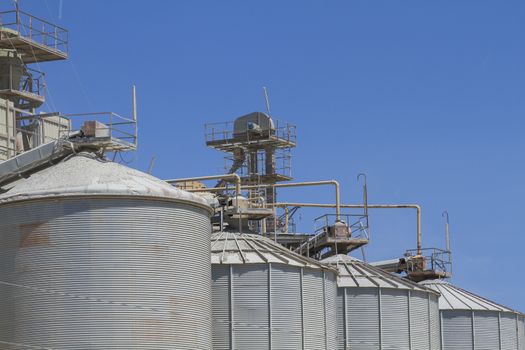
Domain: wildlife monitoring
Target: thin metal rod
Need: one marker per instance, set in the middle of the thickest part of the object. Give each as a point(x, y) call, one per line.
point(447, 237)
point(365, 192)
point(235, 177)
point(151, 164)
point(447, 233)
point(287, 219)
point(266, 99)
point(369, 206)
point(134, 111)
point(134, 102)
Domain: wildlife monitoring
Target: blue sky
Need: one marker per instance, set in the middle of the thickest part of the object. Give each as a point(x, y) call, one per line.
point(426, 97)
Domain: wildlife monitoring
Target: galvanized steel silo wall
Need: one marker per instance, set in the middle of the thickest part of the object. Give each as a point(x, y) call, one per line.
point(521, 333)
point(481, 330)
point(387, 319)
point(104, 272)
point(273, 306)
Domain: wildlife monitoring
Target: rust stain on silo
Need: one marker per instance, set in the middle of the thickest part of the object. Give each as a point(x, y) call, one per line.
point(31, 235)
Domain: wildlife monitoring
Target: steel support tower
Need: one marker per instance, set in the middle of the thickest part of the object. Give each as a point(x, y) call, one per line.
point(25, 42)
point(258, 149)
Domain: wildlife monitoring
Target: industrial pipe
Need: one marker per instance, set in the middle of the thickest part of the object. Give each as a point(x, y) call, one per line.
point(235, 177)
point(334, 183)
point(371, 206)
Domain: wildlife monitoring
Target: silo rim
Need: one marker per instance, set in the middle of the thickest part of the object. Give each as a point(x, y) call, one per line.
point(85, 175)
point(22, 201)
point(355, 273)
point(452, 295)
point(254, 249)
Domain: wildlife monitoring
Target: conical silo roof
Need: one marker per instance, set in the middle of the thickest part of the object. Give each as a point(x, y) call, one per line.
point(245, 248)
point(86, 174)
point(455, 298)
point(356, 273)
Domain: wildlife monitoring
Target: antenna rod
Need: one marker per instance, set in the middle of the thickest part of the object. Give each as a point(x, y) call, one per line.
point(151, 164)
point(134, 111)
point(266, 99)
point(17, 7)
point(447, 233)
point(134, 102)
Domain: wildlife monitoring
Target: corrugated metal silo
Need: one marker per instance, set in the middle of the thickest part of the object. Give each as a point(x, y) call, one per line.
point(469, 321)
point(267, 297)
point(94, 255)
point(380, 311)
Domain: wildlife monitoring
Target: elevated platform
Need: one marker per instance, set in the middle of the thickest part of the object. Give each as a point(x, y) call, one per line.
point(418, 276)
point(316, 245)
point(37, 40)
point(31, 50)
point(28, 99)
point(230, 144)
point(255, 130)
point(45, 154)
point(426, 264)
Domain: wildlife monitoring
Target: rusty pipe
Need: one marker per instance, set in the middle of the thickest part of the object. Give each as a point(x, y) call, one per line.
point(336, 205)
point(235, 177)
point(370, 206)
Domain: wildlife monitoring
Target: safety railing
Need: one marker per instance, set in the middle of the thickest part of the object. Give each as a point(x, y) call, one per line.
point(224, 132)
point(27, 80)
point(107, 129)
point(357, 225)
point(36, 29)
point(435, 259)
point(324, 228)
point(109, 125)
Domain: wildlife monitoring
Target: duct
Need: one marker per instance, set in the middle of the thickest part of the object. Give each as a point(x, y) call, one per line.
point(238, 160)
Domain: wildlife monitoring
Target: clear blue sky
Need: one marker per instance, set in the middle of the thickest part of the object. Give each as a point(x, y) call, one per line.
point(426, 97)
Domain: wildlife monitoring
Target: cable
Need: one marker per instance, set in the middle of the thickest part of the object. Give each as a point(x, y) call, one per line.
point(140, 307)
point(75, 71)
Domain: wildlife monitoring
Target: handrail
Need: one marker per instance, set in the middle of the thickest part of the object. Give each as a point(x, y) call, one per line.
point(370, 206)
point(224, 131)
point(41, 20)
point(37, 27)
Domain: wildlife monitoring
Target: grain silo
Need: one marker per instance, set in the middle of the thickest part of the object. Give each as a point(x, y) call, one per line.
point(95, 255)
point(380, 311)
point(469, 321)
point(267, 297)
